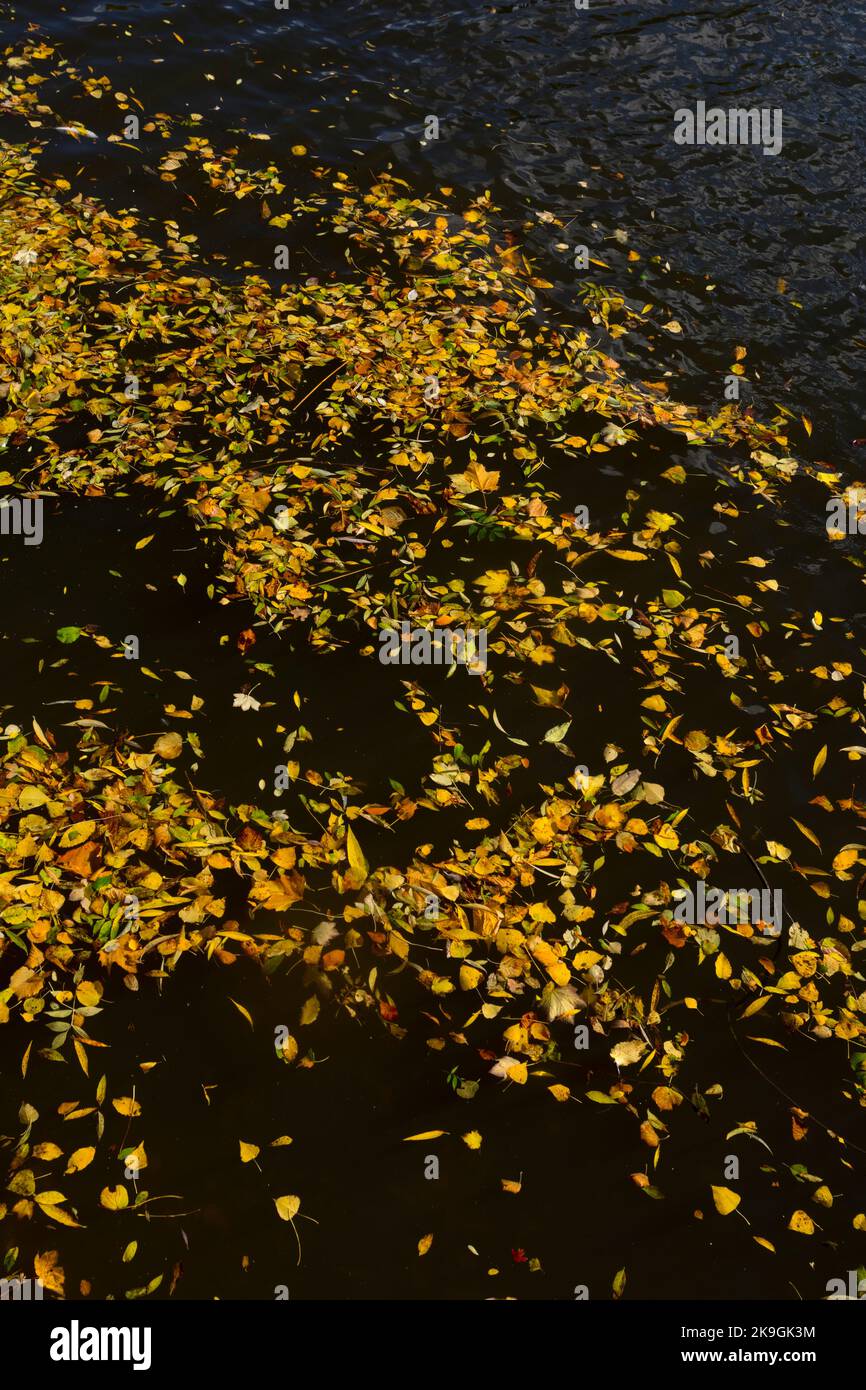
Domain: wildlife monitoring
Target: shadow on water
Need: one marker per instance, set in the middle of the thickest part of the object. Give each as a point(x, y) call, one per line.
point(210, 1229)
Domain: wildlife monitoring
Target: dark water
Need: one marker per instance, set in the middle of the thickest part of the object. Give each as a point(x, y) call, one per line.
point(551, 109)
point(569, 112)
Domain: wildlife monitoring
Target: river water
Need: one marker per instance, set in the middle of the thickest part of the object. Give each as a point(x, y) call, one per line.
point(569, 111)
point(553, 109)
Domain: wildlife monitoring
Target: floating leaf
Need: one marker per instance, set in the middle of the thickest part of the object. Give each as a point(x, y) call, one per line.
point(288, 1207)
point(114, 1198)
point(80, 1159)
point(357, 863)
point(802, 1223)
point(725, 1200)
point(50, 1272)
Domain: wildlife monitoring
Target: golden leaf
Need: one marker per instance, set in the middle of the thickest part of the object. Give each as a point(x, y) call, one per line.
point(80, 1159)
point(310, 1011)
point(114, 1198)
point(125, 1105)
point(49, 1272)
point(357, 862)
point(725, 1200)
point(802, 1223)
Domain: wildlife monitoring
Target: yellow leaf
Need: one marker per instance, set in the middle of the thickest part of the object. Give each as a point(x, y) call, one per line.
point(357, 862)
point(823, 1196)
point(668, 730)
point(283, 1141)
point(802, 1223)
point(275, 895)
point(819, 762)
point(169, 746)
point(129, 1252)
point(310, 1011)
point(81, 1055)
point(80, 1160)
point(559, 1093)
point(125, 1105)
point(241, 1010)
point(667, 838)
point(767, 1244)
point(424, 1244)
point(470, 976)
point(583, 960)
point(136, 1159)
point(77, 833)
point(810, 834)
point(62, 1217)
point(248, 1151)
point(49, 1272)
point(542, 830)
point(755, 1005)
point(725, 1200)
point(46, 1152)
point(844, 859)
point(494, 582)
point(666, 1098)
point(723, 966)
point(287, 1207)
point(114, 1198)
point(517, 1072)
point(778, 851)
point(427, 1134)
point(145, 540)
point(472, 1140)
